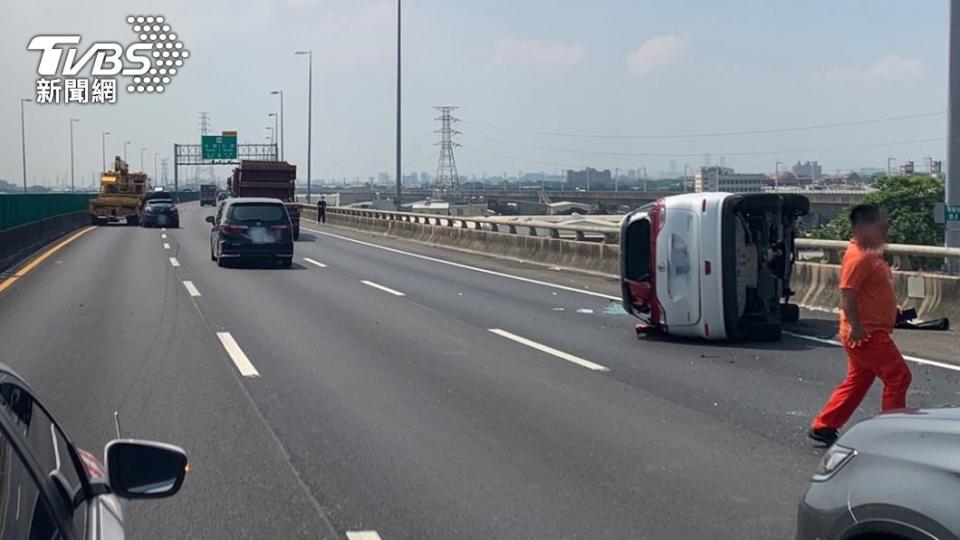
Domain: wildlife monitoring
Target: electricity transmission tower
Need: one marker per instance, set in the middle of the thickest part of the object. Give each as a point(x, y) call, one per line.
point(205, 130)
point(447, 165)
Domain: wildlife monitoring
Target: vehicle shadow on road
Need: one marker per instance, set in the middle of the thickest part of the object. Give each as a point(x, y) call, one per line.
point(261, 265)
point(306, 238)
point(786, 343)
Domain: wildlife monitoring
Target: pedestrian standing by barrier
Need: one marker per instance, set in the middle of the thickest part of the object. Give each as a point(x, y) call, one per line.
point(322, 210)
point(867, 317)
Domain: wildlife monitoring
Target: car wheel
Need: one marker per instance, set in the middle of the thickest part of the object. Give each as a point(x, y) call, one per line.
point(94, 220)
point(286, 263)
point(789, 312)
point(296, 233)
point(761, 203)
point(221, 262)
point(175, 225)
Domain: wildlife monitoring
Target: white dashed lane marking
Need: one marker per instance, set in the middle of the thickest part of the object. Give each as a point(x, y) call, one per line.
point(382, 288)
point(550, 350)
point(315, 263)
point(174, 262)
point(362, 535)
point(191, 288)
point(236, 354)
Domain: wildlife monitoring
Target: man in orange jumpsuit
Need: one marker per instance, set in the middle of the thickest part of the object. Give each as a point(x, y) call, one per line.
point(867, 317)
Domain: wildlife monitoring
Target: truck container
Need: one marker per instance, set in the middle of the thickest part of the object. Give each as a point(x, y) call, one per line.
point(208, 194)
point(272, 179)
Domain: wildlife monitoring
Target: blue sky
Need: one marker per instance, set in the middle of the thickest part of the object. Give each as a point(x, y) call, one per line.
point(515, 68)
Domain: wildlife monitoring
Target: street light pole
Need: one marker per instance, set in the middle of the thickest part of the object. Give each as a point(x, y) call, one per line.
point(399, 163)
point(952, 182)
point(155, 156)
point(280, 93)
point(23, 141)
point(125, 143)
point(309, 54)
point(72, 185)
point(103, 150)
point(142, 148)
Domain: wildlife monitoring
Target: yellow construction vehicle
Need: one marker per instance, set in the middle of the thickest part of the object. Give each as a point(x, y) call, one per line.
point(121, 195)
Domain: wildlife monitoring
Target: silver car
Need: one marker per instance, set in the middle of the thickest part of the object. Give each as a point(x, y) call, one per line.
point(895, 476)
point(51, 489)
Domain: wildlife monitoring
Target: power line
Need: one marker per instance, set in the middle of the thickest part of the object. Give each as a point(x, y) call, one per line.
point(713, 134)
point(699, 154)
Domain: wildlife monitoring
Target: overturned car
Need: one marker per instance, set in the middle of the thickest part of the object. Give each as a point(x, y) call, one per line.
point(711, 265)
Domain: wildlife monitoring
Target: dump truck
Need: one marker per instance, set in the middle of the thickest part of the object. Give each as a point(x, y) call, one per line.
point(273, 179)
point(208, 194)
point(121, 195)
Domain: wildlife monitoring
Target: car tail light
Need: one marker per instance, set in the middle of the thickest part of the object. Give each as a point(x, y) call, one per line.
point(233, 229)
point(706, 268)
point(706, 330)
point(703, 205)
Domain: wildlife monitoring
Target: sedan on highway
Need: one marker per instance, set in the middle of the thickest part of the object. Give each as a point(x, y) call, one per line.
point(251, 228)
point(895, 476)
point(51, 489)
point(160, 213)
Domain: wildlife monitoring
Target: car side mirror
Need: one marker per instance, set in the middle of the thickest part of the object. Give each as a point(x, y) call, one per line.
point(144, 469)
point(210, 219)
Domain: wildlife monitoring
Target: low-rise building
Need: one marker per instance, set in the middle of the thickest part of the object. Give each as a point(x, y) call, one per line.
point(717, 178)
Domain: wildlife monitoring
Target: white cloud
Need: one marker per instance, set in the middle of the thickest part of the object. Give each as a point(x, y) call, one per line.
point(658, 52)
point(890, 68)
point(536, 52)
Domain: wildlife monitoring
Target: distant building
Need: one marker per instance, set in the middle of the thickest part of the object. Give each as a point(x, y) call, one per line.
point(906, 167)
point(725, 179)
point(588, 178)
point(809, 169)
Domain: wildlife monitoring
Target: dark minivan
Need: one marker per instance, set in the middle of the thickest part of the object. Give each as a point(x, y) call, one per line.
point(251, 228)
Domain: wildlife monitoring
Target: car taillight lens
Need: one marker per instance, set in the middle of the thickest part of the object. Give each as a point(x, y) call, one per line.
point(233, 229)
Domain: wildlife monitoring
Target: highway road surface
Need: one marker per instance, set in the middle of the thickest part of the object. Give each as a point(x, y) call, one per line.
point(388, 392)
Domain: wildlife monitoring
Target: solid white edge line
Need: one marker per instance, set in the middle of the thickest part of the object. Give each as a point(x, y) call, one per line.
point(236, 354)
point(166, 245)
point(363, 535)
point(191, 288)
point(382, 288)
point(549, 350)
point(468, 267)
point(914, 359)
point(174, 262)
point(313, 262)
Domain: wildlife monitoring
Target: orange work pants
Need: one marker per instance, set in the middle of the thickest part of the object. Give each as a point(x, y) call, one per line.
point(878, 356)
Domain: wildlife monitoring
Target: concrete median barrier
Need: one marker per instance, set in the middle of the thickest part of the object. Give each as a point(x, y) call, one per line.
point(594, 257)
point(20, 241)
point(815, 284)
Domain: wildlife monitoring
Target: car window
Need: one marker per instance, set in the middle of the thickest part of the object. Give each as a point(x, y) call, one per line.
point(257, 212)
point(25, 513)
point(220, 213)
point(45, 442)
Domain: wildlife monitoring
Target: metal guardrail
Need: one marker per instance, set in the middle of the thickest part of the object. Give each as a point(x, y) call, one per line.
point(581, 233)
point(905, 256)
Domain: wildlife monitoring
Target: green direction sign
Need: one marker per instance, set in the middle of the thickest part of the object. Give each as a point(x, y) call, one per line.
point(953, 212)
point(219, 147)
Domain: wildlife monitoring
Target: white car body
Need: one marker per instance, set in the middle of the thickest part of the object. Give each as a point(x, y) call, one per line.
point(709, 265)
